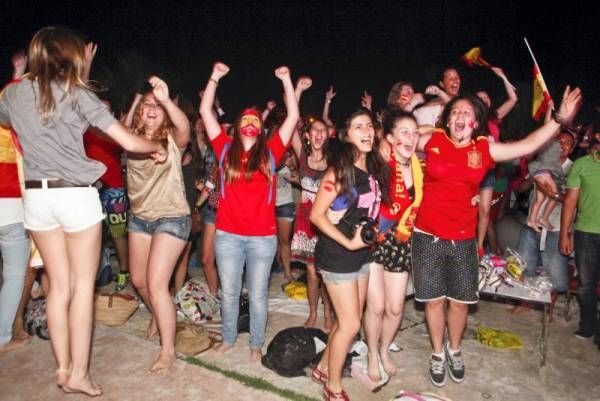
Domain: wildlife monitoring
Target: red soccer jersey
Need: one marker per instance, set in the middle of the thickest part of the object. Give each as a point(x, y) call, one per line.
point(244, 206)
point(106, 152)
point(452, 176)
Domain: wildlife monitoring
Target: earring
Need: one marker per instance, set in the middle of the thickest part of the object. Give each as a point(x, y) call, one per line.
point(308, 142)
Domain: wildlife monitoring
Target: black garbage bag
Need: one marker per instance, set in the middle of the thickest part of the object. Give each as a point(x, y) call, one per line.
point(292, 350)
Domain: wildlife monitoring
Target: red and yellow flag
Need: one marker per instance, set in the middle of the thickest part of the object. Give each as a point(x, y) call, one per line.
point(540, 96)
point(473, 57)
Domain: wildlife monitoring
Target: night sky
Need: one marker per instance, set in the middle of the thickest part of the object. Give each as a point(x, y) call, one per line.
point(352, 45)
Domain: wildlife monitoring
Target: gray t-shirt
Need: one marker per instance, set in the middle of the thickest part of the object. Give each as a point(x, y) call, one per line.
point(55, 149)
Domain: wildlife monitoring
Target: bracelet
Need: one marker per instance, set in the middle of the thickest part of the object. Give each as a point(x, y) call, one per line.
point(214, 80)
point(557, 118)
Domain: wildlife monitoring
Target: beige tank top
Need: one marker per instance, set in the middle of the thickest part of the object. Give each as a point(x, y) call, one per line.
point(157, 190)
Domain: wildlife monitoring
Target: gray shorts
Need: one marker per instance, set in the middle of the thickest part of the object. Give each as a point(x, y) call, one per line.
point(338, 278)
point(445, 268)
point(178, 227)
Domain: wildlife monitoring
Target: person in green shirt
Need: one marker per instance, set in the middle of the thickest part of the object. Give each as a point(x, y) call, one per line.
point(583, 194)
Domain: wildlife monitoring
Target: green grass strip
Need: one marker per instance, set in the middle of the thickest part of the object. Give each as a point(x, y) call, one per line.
point(250, 381)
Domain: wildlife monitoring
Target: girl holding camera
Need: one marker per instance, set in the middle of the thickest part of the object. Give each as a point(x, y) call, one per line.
point(349, 193)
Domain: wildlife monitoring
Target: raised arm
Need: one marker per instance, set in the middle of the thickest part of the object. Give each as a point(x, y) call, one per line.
point(571, 102)
point(328, 191)
point(181, 124)
point(291, 103)
point(270, 106)
point(302, 84)
point(89, 53)
point(208, 99)
point(435, 90)
point(366, 101)
point(128, 119)
point(329, 95)
point(135, 143)
point(19, 63)
point(511, 92)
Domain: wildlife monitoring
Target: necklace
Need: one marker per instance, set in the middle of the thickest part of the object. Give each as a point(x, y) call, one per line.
point(404, 164)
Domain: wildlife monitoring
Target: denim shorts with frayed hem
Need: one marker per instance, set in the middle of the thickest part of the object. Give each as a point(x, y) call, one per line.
point(338, 278)
point(178, 227)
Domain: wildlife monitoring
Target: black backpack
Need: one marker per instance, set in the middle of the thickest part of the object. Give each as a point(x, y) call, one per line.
point(292, 350)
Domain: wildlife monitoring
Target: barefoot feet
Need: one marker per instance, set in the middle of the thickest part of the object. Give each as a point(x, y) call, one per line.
point(152, 328)
point(373, 367)
point(255, 355)
point(311, 321)
point(82, 385)
point(533, 225)
point(162, 363)
point(387, 362)
point(222, 348)
point(14, 344)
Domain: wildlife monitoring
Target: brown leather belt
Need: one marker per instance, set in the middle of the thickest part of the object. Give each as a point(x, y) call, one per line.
point(33, 184)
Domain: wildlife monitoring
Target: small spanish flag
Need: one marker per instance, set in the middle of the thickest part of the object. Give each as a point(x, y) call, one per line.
point(540, 95)
point(473, 57)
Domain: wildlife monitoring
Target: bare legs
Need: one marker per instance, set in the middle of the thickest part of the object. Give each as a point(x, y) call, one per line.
point(484, 206)
point(385, 304)
point(152, 261)
point(313, 288)
point(208, 258)
point(284, 232)
point(71, 261)
point(348, 299)
point(542, 180)
point(457, 320)
point(181, 268)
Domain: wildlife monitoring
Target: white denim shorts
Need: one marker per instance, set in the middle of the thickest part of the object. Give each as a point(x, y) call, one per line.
point(73, 209)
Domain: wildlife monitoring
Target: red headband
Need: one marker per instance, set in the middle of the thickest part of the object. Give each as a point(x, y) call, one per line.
point(252, 112)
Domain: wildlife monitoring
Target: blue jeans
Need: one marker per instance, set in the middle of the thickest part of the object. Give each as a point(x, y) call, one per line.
point(553, 262)
point(14, 246)
point(587, 258)
point(231, 252)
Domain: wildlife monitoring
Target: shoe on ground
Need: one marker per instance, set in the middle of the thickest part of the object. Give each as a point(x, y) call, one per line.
point(583, 334)
point(437, 370)
point(122, 281)
point(456, 365)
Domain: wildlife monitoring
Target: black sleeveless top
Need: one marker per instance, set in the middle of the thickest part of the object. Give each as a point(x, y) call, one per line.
point(363, 200)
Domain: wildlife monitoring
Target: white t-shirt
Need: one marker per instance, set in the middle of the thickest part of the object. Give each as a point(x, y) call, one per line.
point(284, 188)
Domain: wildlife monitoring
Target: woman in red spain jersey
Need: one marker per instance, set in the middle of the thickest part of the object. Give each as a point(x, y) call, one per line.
point(444, 248)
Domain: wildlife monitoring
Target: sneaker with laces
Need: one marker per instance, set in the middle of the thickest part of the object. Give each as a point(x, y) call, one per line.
point(437, 370)
point(456, 365)
point(122, 281)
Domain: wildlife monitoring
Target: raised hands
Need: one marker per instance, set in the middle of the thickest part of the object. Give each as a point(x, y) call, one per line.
point(160, 90)
point(366, 100)
point(433, 90)
point(19, 63)
point(271, 105)
point(219, 71)
point(304, 83)
point(330, 94)
point(90, 52)
point(570, 105)
point(499, 72)
point(283, 72)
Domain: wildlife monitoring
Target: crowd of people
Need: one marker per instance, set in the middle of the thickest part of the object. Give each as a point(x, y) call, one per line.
point(408, 191)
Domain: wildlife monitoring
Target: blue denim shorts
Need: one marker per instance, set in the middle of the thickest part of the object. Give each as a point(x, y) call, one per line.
point(178, 227)
point(338, 278)
point(489, 180)
point(208, 214)
point(287, 211)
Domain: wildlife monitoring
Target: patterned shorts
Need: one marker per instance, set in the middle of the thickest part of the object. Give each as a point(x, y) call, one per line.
point(444, 268)
point(115, 205)
point(393, 254)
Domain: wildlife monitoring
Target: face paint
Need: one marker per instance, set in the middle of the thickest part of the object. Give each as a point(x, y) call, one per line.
point(250, 125)
point(329, 186)
point(471, 124)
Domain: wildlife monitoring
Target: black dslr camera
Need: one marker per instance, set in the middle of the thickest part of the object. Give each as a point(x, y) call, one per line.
point(369, 232)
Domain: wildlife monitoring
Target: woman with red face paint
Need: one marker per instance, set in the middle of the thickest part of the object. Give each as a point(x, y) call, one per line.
point(349, 196)
point(246, 229)
point(444, 246)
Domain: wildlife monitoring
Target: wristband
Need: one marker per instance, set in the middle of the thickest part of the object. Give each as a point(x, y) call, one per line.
point(214, 80)
point(557, 118)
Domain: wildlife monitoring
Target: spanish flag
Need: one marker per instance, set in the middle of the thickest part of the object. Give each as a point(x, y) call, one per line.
point(540, 96)
point(473, 57)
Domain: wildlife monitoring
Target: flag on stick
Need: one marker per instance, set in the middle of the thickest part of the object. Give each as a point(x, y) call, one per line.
point(473, 57)
point(540, 96)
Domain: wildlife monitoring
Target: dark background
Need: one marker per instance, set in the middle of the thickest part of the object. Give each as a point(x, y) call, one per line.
point(352, 45)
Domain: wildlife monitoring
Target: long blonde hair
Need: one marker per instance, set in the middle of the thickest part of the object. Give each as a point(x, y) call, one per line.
point(55, 54)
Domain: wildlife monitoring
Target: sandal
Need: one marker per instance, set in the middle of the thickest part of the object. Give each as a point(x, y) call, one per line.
point(318, 376)
point(329, 395)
